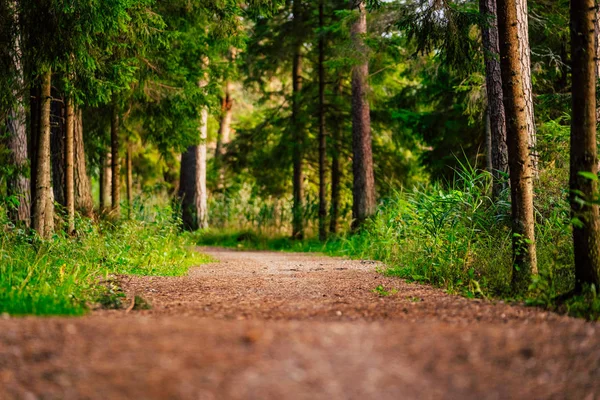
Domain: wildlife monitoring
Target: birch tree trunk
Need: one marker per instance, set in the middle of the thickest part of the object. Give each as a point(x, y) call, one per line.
point(201, 196)
point(43, 210)
point(584, 157)
point(520, 161)
point(129, 174)
point(363, 191)
point(106, 182)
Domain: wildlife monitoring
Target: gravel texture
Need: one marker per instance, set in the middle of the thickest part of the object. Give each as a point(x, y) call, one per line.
point(263, 325)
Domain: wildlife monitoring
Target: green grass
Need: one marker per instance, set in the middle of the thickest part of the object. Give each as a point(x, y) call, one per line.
point(63, 276)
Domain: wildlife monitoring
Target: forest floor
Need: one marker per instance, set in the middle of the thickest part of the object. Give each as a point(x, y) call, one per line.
point(264, 325)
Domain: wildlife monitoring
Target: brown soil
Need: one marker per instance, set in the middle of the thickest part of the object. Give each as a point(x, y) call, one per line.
point(263, 325)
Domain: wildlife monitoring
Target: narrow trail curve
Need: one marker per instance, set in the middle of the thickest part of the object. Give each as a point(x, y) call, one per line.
point(262, 325)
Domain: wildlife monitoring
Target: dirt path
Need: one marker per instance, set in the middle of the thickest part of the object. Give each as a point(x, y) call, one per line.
point(287, 326)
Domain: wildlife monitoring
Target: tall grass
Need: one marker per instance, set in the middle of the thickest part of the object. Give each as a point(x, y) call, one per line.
point(61, 276)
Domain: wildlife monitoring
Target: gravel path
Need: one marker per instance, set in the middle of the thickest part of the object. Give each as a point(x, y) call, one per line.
point(262, 325)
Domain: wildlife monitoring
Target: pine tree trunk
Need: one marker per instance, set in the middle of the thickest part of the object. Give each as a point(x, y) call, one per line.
point(497, 119)
point(129, 174)
point(18, 184)
point(525, 61)
point(363, 191)
point(297, 134)
point(70, 166)
point(34, 129)
point(192, 181)
point(43, 213)
point(488, 143)
point(83, 191)
point(336, 177)
point(520, 162)
point(322, 133)
point(201, 195)
point(584, 158)
point(57, 147)
point(187, 188)
point(106, 182)
point(115, 162)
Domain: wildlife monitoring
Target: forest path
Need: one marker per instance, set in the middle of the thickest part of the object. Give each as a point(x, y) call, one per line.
point(263, 325)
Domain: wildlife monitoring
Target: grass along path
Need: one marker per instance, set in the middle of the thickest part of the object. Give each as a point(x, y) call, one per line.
point(283, 325)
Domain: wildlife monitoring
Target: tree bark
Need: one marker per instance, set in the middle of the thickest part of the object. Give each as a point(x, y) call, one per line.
point(106, 182)
point(192, 181)
point(83, 191)
point(57, 147)
point(115, 162)
point(336, 172)
point(34, 129)
point(520, 162)
point(70, 166)
point(495, 110)
point(522, 21)
point(187, 189)
point(43, 213)
point(129, 185)
point(297, 134)
point(363, 191)
point(223, 136)
point(201, 196)
point(322, 133)
point(584, 158)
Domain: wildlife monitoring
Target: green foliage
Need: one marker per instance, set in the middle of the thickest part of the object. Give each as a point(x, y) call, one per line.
point(66, 276)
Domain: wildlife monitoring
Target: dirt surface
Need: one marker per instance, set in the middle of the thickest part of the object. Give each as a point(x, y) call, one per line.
point(260, 325)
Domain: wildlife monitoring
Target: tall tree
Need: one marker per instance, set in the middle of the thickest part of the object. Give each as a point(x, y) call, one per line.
point(70, 165)
point(84, 203)
point(496, 119)
point(129, 178)
point(43, 207)
point(105, 181)
point(520, 162)
point(584, 157)
point(322, 133)
point(115, 161)
point(522, 21)
point(297, 129)
point(363, 191)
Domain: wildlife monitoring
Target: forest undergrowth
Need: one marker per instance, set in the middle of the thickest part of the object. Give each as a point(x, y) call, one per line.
point(456, 237)
point(70, 275)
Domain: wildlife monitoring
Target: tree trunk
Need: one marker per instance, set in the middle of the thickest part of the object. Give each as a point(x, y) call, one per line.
point(223, 136)
point(201, 196)
point(187, 189)
point(495, 111)
point(106, 182)
point(43, 213)
point(488, 142)
point(70, 166)
point(322, 133)
point(520, 162)
point(522, 21)
point(34, 129)
point(336, 174)
point(57, 147)
point(18, 184)
point(297, 134)
point(129, 180)
point(83, 191)
point(363, 192)
point(192, 182)
point(584, 158)
point(115, 162)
